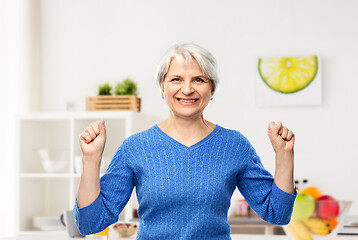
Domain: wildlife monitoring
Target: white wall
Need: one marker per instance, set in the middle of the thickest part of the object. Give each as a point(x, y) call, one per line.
point(20, 79)
point(85, 43)
point(6, 169)
point(60, 50)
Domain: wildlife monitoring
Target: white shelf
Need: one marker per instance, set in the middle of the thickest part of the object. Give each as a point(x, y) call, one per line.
point(41, 193)
point(46, 175)
point(43, 116)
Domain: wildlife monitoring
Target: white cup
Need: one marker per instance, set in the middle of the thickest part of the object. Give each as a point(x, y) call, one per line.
point(68, 220)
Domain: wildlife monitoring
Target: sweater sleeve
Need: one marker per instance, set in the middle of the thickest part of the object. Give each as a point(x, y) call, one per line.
point(257, 186)
point(116, 188)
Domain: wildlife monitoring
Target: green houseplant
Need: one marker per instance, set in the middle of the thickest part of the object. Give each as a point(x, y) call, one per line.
point(104, 89)
point(125, 97)
point(126, 87)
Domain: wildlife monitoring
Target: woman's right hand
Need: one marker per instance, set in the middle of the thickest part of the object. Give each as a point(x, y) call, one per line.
point(92, 142)
point(93, 139)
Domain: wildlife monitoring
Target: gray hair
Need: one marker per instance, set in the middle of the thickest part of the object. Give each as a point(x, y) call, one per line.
point(182, 52)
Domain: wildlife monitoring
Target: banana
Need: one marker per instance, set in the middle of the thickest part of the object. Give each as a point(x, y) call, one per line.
point(317, 226)
point(298, 230)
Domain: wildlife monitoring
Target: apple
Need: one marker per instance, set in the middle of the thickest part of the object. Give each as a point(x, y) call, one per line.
point(304, 207)
point(327, 207)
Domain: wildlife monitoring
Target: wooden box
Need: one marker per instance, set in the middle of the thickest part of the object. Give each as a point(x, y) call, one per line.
point(113, 103)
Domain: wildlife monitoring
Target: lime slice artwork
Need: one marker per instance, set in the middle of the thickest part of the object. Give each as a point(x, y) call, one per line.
point(288, 75)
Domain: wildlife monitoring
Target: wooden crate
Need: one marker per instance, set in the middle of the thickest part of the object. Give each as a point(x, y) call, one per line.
point(113, 103)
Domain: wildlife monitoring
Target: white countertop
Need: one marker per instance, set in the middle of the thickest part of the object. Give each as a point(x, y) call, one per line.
point(62, 235)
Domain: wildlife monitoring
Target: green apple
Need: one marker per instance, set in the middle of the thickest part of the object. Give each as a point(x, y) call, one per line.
point(304, 207)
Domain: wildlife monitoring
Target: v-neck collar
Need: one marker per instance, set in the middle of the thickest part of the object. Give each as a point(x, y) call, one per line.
point(179, 144)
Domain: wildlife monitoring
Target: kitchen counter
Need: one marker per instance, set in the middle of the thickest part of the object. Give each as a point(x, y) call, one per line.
point(62, 235)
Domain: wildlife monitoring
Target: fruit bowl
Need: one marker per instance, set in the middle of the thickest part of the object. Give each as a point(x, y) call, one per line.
point(320, 218)
point(124, 230)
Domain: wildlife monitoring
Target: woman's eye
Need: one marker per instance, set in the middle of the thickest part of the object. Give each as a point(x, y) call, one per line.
point(199, 80)
point(175, 80)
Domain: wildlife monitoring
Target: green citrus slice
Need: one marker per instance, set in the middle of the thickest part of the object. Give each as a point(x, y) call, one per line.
point(288, 74)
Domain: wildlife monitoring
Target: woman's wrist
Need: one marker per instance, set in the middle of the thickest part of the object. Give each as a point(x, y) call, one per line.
point(92, 160)
point(284, 171)
point(285, 163)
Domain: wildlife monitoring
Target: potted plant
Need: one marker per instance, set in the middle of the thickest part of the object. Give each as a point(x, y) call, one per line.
point(126, 87)
point(126, 91)
point(104, 89)
point(125, 97)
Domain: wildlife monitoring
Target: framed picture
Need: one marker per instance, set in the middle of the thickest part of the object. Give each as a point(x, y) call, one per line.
point(288, 81)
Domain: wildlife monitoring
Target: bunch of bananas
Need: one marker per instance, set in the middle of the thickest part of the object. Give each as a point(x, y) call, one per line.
point(301, 230)
point(317, 226)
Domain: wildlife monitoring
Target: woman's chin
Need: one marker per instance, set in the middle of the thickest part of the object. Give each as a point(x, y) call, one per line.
point(188, 115)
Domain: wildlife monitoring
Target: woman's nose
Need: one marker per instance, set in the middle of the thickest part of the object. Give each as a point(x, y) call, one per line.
point(187, 88)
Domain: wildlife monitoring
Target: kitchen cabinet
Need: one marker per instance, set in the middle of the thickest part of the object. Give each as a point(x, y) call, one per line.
point(253, 225)
point(43, 193)
point(62, 235)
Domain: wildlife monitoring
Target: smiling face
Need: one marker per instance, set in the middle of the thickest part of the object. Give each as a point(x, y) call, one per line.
point(186, 89)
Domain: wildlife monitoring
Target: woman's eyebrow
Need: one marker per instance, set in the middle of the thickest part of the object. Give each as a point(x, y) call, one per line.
point(195, 76)
point(202, 76)
point(174, 75)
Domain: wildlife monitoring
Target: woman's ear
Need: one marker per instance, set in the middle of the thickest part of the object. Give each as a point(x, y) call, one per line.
point(212, 95)
point(212, 91)
point(162, 88)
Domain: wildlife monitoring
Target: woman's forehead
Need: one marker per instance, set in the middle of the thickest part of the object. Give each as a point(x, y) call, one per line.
point(188, 65)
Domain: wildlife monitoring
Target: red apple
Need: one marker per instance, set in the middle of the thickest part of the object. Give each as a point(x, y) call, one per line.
point(327, 207)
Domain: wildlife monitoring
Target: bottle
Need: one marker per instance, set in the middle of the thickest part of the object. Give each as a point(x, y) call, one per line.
point(297, 184)
point(304, 183)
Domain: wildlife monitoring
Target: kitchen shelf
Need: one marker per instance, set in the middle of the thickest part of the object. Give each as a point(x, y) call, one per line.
point(44, 175)
point(49, 194)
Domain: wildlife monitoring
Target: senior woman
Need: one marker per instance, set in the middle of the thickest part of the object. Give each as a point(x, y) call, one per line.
point(185, 168)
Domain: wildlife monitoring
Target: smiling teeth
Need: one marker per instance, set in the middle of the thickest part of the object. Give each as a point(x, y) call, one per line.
point(187, 101)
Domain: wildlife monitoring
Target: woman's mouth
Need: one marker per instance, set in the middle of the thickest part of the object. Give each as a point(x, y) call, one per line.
point(191, 100)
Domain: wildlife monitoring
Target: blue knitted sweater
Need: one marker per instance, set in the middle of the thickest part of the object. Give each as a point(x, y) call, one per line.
point(184, 192)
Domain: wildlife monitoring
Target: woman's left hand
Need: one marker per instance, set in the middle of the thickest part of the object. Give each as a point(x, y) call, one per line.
point(282, 138)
